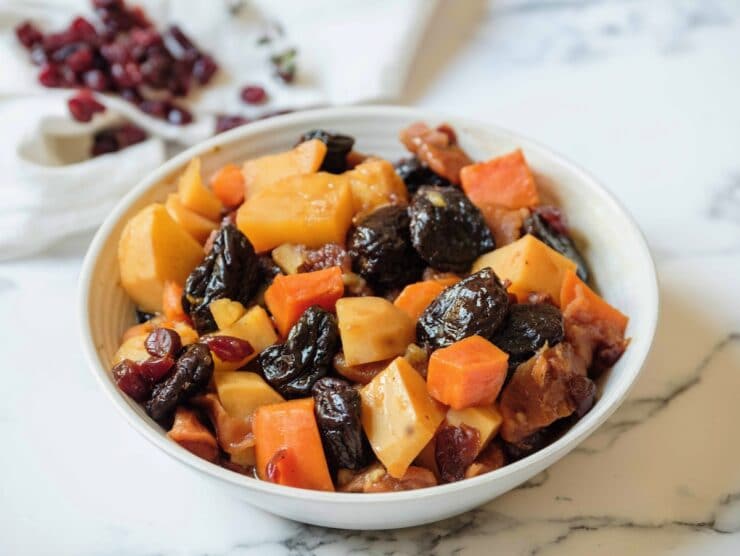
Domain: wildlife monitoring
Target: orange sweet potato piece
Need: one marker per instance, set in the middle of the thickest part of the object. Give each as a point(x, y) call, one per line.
point(190, 433)
point(172, 302)
point(468, 373)
point(228, 185)
point(289, 296)
point(588, 304)
point(414, 298)
point(288, 445)
point(505, 181)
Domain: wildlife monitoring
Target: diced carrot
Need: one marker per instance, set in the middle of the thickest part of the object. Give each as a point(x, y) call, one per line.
point(414, 298)
point(468, 373)
point(228, 185)
point(289, 296)
point(172, 302)
point(288, 442)
point(447, 280)
point(583, 301)
point(505, 181)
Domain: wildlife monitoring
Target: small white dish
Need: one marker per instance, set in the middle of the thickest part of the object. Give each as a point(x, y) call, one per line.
point(609, 238)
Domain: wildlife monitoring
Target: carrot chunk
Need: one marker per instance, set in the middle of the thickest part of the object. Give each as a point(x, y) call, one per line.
point(505, 181)
point(587, 304)
point(172, 302)
point(414, 298)
point(228, 185)
point(289, 296)
point(468, 373)
point(288, 445)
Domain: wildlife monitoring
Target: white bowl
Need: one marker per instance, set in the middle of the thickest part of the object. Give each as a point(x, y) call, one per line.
point(610, 240)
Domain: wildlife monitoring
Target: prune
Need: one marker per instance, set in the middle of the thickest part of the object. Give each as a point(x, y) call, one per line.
point(477, 304)
point(528, 328)
point(294, 367)
point(415, 174)
point(455, 449)
point(337, 149)
point(381, 250)
point(163, 342)
point(193, 371)
point(231, 269)
point(545, 223)
point(337, 407)
point(447, 230)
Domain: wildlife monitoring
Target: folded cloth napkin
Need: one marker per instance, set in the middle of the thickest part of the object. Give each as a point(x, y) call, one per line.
point(348, 52)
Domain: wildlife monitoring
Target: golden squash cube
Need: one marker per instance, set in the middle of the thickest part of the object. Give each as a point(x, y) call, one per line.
point(374, 183)
point(398, 415)
point(193, 223)
point(530, 266)
point(196, 196)
point(241, 393)
point(226, 312)
point(305, 158)
point(133, 348)
point(373, 329)
point(311, 210)
point(485, 419)
point(153, 248)
point(255, 327)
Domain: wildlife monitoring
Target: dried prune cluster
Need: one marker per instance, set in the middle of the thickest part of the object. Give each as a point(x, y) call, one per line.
point(416, 174)
point(231, 269)
point(477, 304)
point(306, 356)
point(447, 230)
point(337, 408)
point(338, 147)
point(546, 224)
point(381, 250)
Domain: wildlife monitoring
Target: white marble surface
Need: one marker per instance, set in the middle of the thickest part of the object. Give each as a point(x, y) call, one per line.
point(646, 95)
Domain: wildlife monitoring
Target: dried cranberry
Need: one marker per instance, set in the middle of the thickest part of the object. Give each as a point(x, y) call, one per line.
point(126, 75)
point(83, 106)
point(83, 30)
point(155, 369)
point(179, 116)
point(104, 142)
point(179, 44)
point(49, 76)
point(163, 342)
point(225, 122)
point(38, 55)
point(131, 95)
point(156, 108)
point(129, 134)
point(114, 139)
point(228, 348)
point(95, 79)
point(455, 450)
point(55, 41)
point(204, 69)
point(28, 34)
point(81, 59)
point(253, 94)
point(130, 381)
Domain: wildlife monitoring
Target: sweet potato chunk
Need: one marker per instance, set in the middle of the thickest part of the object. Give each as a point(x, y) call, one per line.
point(505, 181)
point(195, 196)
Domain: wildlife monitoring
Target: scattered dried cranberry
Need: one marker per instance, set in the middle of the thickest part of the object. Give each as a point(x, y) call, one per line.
point(28, 34)
point(83, 106)
point(204, 68)
point(129, 380)
point(253, 94)
point(116, 138)
point(163, 342)
point(155, 369)
point(228, 348)
point(225, 122)
point(95, 79)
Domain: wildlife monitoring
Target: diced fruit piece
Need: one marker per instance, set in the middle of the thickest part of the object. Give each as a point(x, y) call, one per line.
point(228, 185)
point(226, 312)
point(289, 296)
point(190, 433)
point(485, 419)
point(287, 438)
point(530, 266)
point(373, 329)
point(414, 298)
point(289, 257)
point(193, 223)
point(195, 196)
point(242, 392)
point(398, 416)
point(172, 302)
point(153, 249)
point(234, 434)
point(254, 327)
point(133, 349)
point(589, 306)
point(311, 210)
point(187, 333)
point(374, 183)
point(305, 158)
point(467, 373)
point(505, 181)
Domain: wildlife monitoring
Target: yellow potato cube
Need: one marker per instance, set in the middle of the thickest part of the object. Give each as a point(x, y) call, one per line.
point(152, 249)
point(254, 327)
point(530, 266)
point(305, 158)
point(373, 329)
point(132, 349)
point(196, 196)
point(311, 210)
point(226, 312)
point(193, 223)
point(398, 415)
point(485, 419)
point(374, 183)
point(241, 393)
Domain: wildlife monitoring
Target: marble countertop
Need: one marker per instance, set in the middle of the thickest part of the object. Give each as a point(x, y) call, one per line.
point(645, 95)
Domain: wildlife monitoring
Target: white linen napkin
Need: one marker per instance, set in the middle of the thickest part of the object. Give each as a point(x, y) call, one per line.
point(348, 52)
